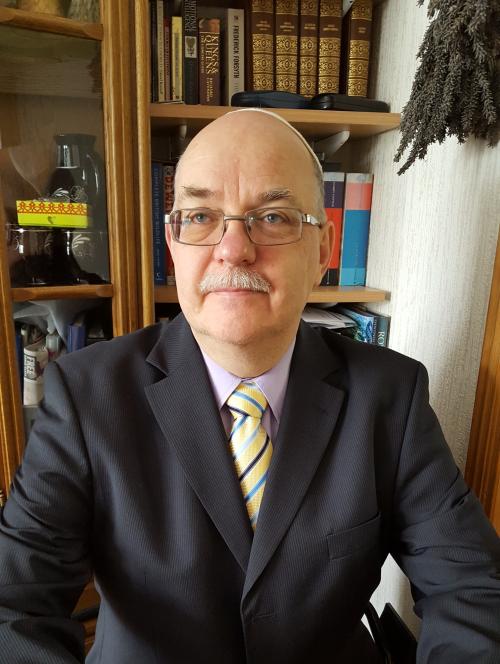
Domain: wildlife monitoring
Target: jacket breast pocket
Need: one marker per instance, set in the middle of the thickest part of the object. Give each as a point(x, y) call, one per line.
point(354, 540)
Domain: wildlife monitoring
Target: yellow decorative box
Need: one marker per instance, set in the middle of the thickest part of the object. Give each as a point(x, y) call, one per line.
point(53, 213)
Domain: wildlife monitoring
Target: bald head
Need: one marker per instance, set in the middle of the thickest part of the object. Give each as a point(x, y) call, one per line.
point(256, 135)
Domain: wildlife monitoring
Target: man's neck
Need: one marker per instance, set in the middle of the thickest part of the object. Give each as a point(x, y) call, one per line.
point(245, 361)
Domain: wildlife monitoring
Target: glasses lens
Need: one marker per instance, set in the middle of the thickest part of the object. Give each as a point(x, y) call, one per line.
point(198, 226)
point(275, 225)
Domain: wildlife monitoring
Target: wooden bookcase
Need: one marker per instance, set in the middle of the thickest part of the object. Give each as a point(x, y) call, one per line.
point(159, 118)
point(39, 92)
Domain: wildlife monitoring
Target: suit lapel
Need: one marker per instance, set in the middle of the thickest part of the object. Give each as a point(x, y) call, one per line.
point(309, 416)
point(190, 420)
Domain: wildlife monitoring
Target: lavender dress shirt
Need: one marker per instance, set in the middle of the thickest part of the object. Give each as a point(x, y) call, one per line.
point(273, 384)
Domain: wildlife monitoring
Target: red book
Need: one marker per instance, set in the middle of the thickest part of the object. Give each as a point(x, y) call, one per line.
point(334, 200)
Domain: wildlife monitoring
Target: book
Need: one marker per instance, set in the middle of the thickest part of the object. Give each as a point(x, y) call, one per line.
point(234, 62)
point(157, 218)
point(334, 203)
point(160, 51)
point(209, 61)
point(176, 60)
point(261, 45)
point(377, 324)
point(308, 47)
point(190, 59)
point(330, 30)
point(167, 49)
point(286, 45)
point(365, 329)
point(153, 32)
point(356, 41)
point(382, 329)
point(168, 202)
point(76, 334)
point(355, 228)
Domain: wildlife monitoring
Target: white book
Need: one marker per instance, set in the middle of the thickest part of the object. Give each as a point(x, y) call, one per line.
point(235, 52)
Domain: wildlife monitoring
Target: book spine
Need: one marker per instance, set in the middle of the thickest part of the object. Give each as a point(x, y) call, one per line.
point(190, 27)
point(168, 202)
point(154, 50)
point(235, 53)
point(330, 28)
point(334, 201)
point(166, 57)
point(261, 45)
point(210, 83)
point(158, 224)
point(160, 50)
point(176, 59)
point(356, 226)
point(308, 47)
point(287, 45)
point(358, 22)
point(382, 330)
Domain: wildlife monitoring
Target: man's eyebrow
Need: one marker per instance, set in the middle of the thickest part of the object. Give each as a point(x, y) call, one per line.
point(275, 195)
point(197, 192)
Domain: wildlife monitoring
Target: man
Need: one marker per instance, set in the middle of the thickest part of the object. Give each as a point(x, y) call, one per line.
point(236, 479)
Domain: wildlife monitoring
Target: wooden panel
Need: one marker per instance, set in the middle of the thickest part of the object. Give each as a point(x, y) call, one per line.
point(483, 460)
point(47, 23)
point(119, 160)
point(11, 415)
point(311, 123)
point(142, 49)
point(324, 294)
point(61, 292)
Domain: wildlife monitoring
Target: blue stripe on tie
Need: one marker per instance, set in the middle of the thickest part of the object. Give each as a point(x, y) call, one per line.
point(253, 519)
point(247, 442)
point(252, 464)
point(236, 425)
point(250, 400)
point(256, 487)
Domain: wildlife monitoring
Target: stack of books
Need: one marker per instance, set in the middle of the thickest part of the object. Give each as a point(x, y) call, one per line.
point(204, 54)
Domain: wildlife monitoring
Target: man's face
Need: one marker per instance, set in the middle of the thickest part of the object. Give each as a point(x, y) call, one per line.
point(242, 162)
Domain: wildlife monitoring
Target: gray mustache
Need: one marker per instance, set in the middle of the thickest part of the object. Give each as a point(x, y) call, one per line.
point(236, 278)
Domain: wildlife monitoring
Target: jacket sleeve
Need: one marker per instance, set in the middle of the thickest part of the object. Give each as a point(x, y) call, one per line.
point(446, 546)
point(44, 537)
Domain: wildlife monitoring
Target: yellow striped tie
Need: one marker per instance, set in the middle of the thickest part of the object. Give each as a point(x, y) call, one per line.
point(250, 445)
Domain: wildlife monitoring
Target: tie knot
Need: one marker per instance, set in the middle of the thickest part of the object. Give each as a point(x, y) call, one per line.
point(247, 399)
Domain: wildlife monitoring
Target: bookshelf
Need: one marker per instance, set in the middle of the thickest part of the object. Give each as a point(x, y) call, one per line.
point(157, 119)
point(325, 294)
point(319, 124)
point(59, 75)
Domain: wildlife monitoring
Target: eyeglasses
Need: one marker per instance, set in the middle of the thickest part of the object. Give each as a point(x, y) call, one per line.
point(265, 226)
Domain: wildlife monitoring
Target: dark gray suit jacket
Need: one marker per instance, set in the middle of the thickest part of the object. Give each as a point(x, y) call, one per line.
point(127, 474)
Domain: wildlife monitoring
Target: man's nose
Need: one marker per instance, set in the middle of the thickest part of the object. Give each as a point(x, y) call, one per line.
point(235, 247)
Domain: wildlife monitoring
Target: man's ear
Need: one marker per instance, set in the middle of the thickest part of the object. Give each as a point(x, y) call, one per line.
point(325, 248)
point(168, 237)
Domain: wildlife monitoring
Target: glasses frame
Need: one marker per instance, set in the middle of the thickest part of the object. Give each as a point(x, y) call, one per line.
point(305, 218)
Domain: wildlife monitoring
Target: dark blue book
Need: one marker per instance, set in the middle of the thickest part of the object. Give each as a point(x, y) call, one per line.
point(159, 242)
point(76, 334)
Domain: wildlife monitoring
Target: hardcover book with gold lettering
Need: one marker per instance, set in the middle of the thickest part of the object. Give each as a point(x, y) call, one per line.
point(330, 29)
point(261, 45)
point(287, 45)
point(357, 29)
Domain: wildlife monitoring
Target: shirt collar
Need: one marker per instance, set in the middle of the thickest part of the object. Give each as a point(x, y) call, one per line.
point(273, 383)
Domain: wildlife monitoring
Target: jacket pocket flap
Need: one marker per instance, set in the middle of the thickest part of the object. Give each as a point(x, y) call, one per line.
point(359, 538)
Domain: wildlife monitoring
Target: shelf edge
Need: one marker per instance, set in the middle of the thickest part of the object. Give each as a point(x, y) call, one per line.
point(20, 18)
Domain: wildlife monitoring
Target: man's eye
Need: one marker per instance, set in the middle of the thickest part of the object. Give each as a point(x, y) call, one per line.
point(198, 218)
point(274, 218)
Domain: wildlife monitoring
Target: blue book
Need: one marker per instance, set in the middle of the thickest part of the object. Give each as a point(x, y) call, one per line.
point(76, 335)
point(356, 226)
point(159, 242)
